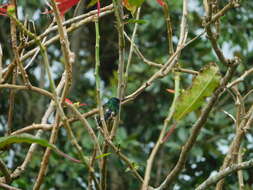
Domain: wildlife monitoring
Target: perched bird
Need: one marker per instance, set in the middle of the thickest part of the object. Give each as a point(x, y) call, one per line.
point(111, 109)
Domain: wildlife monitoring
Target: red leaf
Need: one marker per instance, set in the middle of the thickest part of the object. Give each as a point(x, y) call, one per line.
point(68, 101)
point(65, 5)
point(98, 7)
point(3, 9)
point(160, 2)
point(169, 133)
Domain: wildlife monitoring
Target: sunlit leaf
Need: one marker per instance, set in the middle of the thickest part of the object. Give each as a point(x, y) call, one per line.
point(103, 155)
point(92, 3)
point(203, 85)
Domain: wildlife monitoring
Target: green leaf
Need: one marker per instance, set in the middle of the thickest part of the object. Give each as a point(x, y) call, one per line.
point(92, 3)
point(137, 21)
point(27, 138)
point(203, 85)
point(136, 3)
point(132, 5)
point(103, 155)
point(23, 138)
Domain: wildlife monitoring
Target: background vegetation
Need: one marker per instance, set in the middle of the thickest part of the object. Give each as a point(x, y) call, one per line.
point(143, 116)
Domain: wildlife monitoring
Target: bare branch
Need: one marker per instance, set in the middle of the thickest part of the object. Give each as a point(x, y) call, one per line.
point(224, 173)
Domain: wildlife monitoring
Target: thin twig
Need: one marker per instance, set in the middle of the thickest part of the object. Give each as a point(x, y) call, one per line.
point(119, 14)
point(211, 36)
point(30, 88)
point(8, 187)
point(241, 78)
point(103, 168)
point(131, 46)
point(183, 70)
point(240, 172)
point(12, 102)
point(44, 127)
point(5, 172)
point(69, 56)
point(140, 55)
point(14, 43)
point(224, 173)
point(1, 64)
point(169, 27)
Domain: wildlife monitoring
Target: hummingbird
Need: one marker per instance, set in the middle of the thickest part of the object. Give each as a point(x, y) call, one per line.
point(111, 109)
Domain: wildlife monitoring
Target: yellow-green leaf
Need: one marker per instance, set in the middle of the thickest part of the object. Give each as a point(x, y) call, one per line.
point(203, 86)
point(23, 138)
point(92, 3)
point(103, 155)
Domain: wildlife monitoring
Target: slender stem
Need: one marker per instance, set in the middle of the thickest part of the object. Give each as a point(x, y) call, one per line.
point(132, 46)
point(97, 69)
point(241, 78)
point(11, 102)
point(103, 172)
point(69, 56)
point(8, 187)
point(169, 27)
point(5, 172)
point(211, 35)
point(14, 75)
point(240, 172)
point(140, 55)
point(44, 127)
point(31, 88)
point(1, 63)
point(118, 10)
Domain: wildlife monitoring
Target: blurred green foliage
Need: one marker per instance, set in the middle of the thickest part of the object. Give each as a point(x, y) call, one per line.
point(142, 119)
